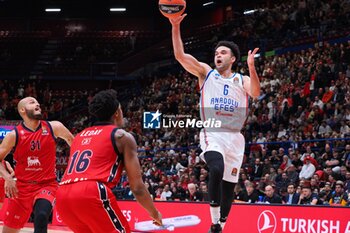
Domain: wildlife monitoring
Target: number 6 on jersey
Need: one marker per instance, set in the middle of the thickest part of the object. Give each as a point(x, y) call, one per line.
point(226, 89)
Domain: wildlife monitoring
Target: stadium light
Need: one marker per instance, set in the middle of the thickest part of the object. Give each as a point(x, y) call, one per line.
point(120, 9)
point(53, 9)
point(208, 3)
point(248, 12)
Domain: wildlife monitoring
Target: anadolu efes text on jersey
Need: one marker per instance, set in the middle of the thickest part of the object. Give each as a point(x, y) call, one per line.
point(224, 99)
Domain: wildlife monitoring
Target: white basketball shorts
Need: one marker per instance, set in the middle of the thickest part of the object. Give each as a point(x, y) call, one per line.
point(230, 145)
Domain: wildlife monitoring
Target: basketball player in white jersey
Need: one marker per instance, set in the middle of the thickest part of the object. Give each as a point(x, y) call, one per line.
point(224, 97)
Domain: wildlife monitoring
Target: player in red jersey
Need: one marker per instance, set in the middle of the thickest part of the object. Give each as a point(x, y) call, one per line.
point(98, 154)
point(35, 154)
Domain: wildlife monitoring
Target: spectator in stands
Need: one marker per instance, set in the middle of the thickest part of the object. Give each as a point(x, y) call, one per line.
point(283, 182)
point(175, 166)
point(266, 167)
point(344, 129)
point(192, 193)
point(237, 192)
point(292, 174)
point(342, 175)
point(322, 199)
point(333, 161)
point(257, 170)
point(296, 161)
point(308, 152)
point(275, 159)
point(204, 191)
point(193, 159)
point(307, 197)
point(291, 197)
point(346, 156)
point(307, 170)
point(270, 196)
point(285, 163)
point(183, 160)
point(339, 197)
point(158, 191)
point(166, 193)
point(127, 193)
point(249, 194)
point(261, 139)
point(328, 190)
point(347, 182)
point(272, 175)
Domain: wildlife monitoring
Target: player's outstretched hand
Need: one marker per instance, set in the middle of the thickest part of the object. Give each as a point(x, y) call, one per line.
point(157, 219)
point(177, 20)
point(11, 188)
point(250, 59)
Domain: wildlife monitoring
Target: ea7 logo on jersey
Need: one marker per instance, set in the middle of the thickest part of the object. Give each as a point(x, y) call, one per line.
point(33, 161)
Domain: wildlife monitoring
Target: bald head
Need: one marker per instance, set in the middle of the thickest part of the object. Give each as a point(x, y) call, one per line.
point(269, 190)
point(30, 108)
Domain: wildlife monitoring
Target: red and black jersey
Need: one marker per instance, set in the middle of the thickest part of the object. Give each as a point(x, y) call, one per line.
point(35, 153)
point(94, 156)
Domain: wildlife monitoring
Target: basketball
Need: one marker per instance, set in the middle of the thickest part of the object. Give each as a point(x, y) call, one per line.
point(172, 8)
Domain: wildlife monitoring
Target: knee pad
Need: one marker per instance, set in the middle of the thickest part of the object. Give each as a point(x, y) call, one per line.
point(215, 162)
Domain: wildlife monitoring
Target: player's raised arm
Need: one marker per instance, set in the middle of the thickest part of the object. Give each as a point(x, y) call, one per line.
point(252, 84)
point(5, 147)
point(189, 63)
point(133, 171)
point(61, 131)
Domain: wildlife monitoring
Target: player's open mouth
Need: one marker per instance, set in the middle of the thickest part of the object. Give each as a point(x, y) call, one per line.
point(219, 62)
point(37, 109)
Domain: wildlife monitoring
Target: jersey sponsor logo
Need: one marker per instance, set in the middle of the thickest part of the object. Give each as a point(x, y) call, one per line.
point(44, 131)
point(33, 161)
point(236, 80)
point(219, 113)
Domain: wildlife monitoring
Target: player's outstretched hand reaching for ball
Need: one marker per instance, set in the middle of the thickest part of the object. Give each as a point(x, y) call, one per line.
point(177, 20)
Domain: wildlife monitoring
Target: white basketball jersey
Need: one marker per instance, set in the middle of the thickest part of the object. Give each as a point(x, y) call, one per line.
point(224, 99)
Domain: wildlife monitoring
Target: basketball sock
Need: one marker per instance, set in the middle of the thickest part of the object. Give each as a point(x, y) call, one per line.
point(215, 214)
point(222, 222)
